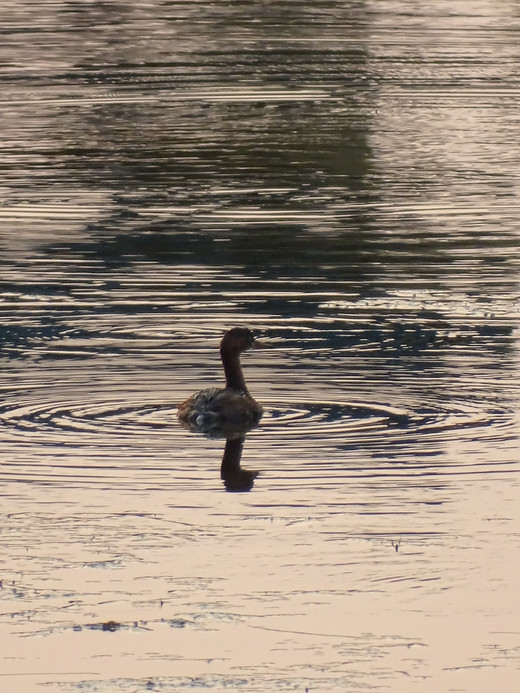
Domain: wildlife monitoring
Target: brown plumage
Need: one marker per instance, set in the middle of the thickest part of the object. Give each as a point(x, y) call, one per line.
point(229, 411)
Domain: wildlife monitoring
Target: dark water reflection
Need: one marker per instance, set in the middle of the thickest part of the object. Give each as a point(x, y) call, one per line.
point(235, 477)
point(343, 177)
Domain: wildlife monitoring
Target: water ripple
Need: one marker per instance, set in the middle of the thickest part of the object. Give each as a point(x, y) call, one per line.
point(356, 438)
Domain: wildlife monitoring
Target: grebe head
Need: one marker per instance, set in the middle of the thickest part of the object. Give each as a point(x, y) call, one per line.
point(237, 340)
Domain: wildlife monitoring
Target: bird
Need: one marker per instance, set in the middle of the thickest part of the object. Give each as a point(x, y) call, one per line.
point(230, 411)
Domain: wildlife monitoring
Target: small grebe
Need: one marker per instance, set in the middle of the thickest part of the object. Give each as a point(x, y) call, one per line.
point(229, 411)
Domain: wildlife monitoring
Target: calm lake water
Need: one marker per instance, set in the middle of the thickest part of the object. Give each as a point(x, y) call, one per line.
point(342, 177)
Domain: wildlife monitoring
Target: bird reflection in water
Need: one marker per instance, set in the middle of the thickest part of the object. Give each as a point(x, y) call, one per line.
point(235, 477)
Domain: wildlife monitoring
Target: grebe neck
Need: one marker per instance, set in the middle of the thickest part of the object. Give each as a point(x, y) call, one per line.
point(233, 370)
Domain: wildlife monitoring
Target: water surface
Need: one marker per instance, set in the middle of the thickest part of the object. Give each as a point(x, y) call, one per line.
point(342, 177)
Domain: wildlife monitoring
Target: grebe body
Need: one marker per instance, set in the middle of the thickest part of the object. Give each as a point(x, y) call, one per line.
point(229, 411)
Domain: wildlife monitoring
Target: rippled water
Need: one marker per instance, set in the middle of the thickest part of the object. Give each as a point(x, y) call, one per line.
point(343, 178)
